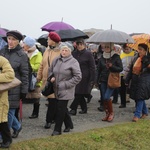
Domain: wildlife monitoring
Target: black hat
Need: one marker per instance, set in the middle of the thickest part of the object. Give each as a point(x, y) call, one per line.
point(80, 40)
point(16, 34)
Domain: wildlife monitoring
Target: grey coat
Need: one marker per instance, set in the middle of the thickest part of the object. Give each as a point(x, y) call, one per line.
point(67, 75)
point(19, 62)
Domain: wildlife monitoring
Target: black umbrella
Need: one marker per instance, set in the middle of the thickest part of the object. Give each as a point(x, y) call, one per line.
point(43, 39)
point(71, 34)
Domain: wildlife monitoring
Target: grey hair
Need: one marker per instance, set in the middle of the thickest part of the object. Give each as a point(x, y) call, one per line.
point(65, 47)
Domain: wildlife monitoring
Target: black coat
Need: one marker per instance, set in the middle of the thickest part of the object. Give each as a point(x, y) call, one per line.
point(87, 66)
point(19, 62)
point(103, 72)
point(140, 84)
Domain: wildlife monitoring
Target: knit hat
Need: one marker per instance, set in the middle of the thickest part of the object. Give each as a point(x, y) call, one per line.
point(143, 45)
point(16, 34)
point(29, 41)
point(54, 37)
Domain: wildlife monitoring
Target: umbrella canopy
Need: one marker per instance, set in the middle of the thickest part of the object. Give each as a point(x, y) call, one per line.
point(52, 26)
point(71, 34)
point(43, 39)
point(3, 32)
point(142, 38)
point(111, 36)
point(94, 38)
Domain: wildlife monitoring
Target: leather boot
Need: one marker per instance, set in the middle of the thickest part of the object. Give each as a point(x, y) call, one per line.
point(35, 112)
point(110, 110)
point(105, 103)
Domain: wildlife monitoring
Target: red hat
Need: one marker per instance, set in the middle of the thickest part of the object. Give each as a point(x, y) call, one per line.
point(54, 36)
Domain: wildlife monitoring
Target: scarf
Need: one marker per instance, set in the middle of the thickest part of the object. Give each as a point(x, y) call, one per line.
point(137, 66)
point(108, 55)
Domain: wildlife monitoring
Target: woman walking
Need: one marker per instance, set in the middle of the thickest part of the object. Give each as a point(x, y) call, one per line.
point(109, 62)
point(139, 74)
point(66, 74)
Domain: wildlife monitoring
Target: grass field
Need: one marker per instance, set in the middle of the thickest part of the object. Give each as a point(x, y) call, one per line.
point(128, 136)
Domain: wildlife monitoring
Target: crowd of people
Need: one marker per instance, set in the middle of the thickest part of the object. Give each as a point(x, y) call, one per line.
point(73, 69)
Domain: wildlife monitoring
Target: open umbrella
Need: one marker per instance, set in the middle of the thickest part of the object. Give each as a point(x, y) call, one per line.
point(57, 25)
point(94, 38)
point(142, 38)
point(71, 34)
point(3, 32)
point(111, 36)
point(43, 39)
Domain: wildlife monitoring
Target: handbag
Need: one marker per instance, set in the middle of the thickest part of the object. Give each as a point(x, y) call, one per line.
point(114, 80)
point(6, 86)
point(32, 82)
point(48, 89)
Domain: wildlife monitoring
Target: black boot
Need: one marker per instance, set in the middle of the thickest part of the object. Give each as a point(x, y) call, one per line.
point(6, 135)
point(35, 112)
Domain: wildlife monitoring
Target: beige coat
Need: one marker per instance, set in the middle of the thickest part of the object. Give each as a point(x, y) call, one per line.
point(43, 70)
point(6, 75)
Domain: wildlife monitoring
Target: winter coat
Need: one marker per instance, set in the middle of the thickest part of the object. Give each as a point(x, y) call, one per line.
point(44, 66)
point(140, 84)
point(87, 66)
point(35, 60)
point(6, 75)
point(103, 71)
point(67, 75)
point(19, 62)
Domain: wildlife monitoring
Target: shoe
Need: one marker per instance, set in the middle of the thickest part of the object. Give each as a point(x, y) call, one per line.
point(6, 145)
point(101, 108)
point(144, 116)
point(33, 116)
point(66, 130)
point(114, 102)
point(56, 133)
point(135, 119)
point(122, 106)
point(83, 112)
point(16, 133)
point(47, 125)
point(89, 99)
point(72, 112)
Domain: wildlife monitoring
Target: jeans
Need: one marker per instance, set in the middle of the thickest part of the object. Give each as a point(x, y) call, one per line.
point(106, 91)
point(140, 108)
point(12, 120)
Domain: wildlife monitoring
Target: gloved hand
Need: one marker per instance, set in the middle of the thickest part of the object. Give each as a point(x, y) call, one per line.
point(22, 96)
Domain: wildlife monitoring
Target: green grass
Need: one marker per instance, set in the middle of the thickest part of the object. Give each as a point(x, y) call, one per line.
point(128, 136)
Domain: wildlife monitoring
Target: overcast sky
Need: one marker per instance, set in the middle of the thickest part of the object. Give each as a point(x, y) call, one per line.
point(28, 16)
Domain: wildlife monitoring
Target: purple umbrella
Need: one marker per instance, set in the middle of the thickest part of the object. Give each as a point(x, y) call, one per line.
point(52, 26)
point(3, 32)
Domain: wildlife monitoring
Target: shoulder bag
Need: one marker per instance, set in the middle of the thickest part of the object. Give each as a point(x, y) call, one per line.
point(114, 80)
point(9, 85)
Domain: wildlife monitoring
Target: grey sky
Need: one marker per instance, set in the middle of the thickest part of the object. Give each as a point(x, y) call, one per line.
point(28, 16)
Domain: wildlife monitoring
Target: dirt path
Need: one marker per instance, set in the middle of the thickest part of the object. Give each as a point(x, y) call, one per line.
point(33, 128)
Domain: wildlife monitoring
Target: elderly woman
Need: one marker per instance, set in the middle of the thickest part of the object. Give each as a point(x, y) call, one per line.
point(109, 62)
point(19, 62)
point(51, 52)
point(6, 75)
point(139, 74)
point(66, 74)
point(35, 58)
